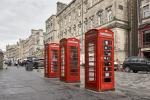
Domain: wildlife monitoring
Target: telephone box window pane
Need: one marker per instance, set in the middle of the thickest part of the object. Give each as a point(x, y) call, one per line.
point(91, 58)
point(107, 44)
point(74, 60)
point(62, 62)
point(106, 47)
point(107, 69)
point(54, 63)
point(107, 53)
point(107, 80)
point(107, 58)
point(107, 63)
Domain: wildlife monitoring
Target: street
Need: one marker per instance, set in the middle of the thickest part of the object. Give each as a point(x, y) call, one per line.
point(18, 84)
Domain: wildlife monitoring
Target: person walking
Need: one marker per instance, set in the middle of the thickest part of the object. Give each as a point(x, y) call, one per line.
point(5, 65)
point(118, 64)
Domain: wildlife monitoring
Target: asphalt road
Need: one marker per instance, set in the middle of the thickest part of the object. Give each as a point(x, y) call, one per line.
point(18, 84)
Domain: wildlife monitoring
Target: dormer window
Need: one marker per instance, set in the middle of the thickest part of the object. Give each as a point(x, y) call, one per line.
point(109, 14)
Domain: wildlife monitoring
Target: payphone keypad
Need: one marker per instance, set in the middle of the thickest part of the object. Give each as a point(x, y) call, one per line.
point(107, 60)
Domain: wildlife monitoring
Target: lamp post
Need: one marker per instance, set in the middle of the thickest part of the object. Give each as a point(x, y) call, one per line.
point(82, 38)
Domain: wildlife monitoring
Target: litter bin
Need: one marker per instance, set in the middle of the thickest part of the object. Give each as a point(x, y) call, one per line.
point(29, 65)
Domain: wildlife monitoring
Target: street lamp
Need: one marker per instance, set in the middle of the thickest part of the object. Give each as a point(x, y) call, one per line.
point(82, 38)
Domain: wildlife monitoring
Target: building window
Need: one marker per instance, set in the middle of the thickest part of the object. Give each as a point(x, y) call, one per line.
point(109, 14)
point(120, 7)
point(146, 12)
point(74, 14)
point(100, 17)
point(69, 31)
point(51, 24)
point(91, 3)
point(65, 23)
point(61, 24)
point(85, 6)
point(69, 17)
point(80, 28)
point(85, 24)
point(74, 29)
point(146, 1)
point(38, 42)
point(65, 31)
point(146, 38)
point(79, 11)
point(91, 22)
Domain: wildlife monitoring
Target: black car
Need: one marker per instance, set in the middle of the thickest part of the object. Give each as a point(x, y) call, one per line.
point(136, 64)
point(38, 63)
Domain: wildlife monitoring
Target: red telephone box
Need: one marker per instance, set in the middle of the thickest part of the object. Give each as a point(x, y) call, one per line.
point(52, 60)
point(99, 60)
point(70, 60)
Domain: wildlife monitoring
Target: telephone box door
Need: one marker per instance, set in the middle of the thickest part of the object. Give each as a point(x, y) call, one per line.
point(74, 61)
point(54, 69)
point(70, 60)
point(91, 69)
point(99, 60)
point(62, 61)
point(107, 74)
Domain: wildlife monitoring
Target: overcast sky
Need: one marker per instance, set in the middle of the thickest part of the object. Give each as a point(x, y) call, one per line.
point(18, 17)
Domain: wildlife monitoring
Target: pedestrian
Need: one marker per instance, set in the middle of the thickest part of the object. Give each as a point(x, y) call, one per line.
point(5, 65)
point(16, 64)
point(118, 64)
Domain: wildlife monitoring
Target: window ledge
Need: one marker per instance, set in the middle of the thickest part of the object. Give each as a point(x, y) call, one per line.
point(146, 18)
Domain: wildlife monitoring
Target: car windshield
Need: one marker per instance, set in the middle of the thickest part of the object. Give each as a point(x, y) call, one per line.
point(147, 59)
point(137, 58)
point(127, 59)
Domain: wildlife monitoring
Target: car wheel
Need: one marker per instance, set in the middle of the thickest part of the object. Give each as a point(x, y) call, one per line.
point(127, 69)
point(135, 71)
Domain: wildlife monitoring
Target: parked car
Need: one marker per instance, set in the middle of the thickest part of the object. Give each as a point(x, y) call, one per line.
point(38, 63)
point(29, 64)
point(136, 64)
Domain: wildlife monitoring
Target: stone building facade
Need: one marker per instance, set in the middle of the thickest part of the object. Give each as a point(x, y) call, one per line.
point(21, 48)
point(34, 45)
point(144, 27)
point(51, 29)
point(79, 16)
point(12, 52)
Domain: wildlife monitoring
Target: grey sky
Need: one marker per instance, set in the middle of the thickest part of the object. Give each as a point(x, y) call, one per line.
point(18, 17)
